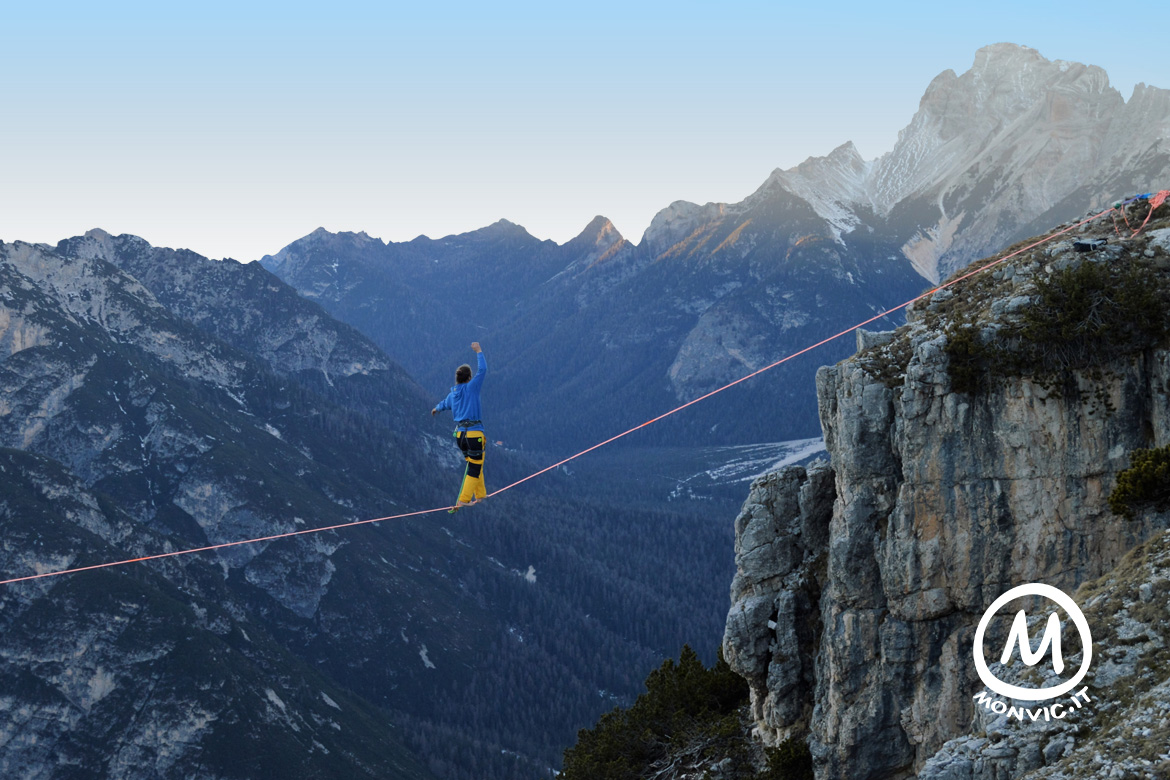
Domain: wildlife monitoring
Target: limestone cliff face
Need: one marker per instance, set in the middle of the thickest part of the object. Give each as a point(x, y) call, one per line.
point(773, 626)
point(856, 624)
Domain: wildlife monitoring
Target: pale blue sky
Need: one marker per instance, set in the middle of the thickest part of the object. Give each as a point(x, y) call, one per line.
point(235, 128)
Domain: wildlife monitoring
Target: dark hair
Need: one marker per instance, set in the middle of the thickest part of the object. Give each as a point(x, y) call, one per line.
point(463, 374)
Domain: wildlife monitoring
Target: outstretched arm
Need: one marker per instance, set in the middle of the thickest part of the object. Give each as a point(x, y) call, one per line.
point(444, 404)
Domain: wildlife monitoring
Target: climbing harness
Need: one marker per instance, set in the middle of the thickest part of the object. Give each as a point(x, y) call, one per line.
point(471, 444)
point(1155, 201)
point(471, 489)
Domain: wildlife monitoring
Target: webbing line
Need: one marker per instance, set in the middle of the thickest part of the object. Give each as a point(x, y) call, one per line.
point(560, 463)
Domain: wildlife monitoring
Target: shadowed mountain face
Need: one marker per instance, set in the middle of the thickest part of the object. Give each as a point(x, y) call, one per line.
point(598, 334)
point(156, 400)
point(142, 434)
point(159, 671)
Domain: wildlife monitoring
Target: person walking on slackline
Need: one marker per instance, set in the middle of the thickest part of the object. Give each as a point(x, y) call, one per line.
point(463, 401)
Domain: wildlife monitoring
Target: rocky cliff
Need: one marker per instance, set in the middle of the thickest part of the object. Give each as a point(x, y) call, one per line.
point(860, 583)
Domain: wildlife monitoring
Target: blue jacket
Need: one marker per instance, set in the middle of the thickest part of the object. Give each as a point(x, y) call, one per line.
point(463, 400)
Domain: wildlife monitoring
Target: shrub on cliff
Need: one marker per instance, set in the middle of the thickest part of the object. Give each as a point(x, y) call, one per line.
point(968, 360)
point(689, 716)
point(1081, 318)
point(1086, 315)
point(682, 701)
point(1145, 484)
point(791, 761)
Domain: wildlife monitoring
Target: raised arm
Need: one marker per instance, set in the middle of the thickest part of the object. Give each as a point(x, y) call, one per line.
point(477, 380)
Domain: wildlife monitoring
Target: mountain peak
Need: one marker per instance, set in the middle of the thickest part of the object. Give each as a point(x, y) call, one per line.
point(321, 235)
point(829, 184)
point(100, 245)
point(1004, 80)
point(508, 228)
point(595, 242)
point(976, 162)
point(1011, 67)
point(599, 230)
point(500, 228)
point(1003, 54)
point(674, 222)
point(823, 170)
point(846, 151)
point(995, 123)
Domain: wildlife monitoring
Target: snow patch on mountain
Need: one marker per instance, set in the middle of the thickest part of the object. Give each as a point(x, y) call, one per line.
point(832, 185)
point(422, 653)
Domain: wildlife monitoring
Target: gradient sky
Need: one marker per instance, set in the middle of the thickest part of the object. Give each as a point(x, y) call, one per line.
point(235, 128)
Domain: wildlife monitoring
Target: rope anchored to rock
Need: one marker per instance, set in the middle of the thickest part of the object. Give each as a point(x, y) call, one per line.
point(1155, 201)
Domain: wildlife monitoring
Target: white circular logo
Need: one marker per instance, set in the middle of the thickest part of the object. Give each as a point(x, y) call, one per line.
point(1034, 694)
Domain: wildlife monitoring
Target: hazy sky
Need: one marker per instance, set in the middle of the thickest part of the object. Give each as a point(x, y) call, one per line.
point(235, 128)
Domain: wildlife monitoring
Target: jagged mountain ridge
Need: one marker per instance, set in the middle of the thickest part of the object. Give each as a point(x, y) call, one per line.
point(1013, 145)
point(290, 334)
point(599, 333)
point(618, 332)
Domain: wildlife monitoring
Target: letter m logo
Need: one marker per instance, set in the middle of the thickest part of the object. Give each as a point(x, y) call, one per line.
point(1019, 636)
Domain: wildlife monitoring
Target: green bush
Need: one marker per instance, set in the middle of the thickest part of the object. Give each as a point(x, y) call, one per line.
point(1145, 484)
point(682, 700)
point(1083, 318)
point(968, 360)
point(791, 761)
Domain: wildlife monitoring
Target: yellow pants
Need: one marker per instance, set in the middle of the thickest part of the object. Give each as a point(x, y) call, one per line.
point(472, 444)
